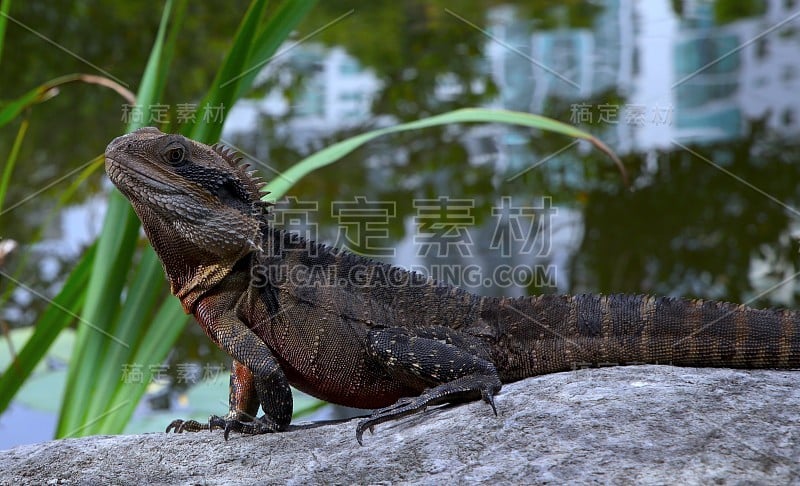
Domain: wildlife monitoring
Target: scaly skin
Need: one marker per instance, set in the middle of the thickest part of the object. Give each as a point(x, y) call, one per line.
point(365, 334)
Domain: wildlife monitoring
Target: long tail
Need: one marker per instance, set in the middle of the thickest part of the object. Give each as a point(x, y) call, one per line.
point(546, 334)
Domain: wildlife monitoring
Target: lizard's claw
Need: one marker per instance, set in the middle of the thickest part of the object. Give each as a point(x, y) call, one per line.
point(360, 431)
point(402, 407)
point(181, 426)
point(488, 397)
point(256, 426)
point(487, 387)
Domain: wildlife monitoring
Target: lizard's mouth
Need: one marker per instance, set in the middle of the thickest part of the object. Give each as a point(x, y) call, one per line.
point(117, 174)
point(129, 171)
point(127, 177)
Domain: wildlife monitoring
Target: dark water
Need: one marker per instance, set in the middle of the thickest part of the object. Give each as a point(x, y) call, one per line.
point(701, 100)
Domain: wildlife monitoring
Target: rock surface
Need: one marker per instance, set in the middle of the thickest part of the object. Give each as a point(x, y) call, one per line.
point(640, 424)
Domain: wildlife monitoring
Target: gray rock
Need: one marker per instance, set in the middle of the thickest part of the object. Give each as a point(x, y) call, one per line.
point(628, 425)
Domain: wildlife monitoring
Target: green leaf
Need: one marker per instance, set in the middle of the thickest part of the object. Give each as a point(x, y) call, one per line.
point(5, 7)
point(168, 323)
point(226, 83)
point(142, 296)
point(97, 401)
point(42, 390)
point(279, 186)
point(11, 161)
point(270, 38)
point(50, 89)
point(252, 49)
point(160, 336)
point(36, 95)
point(115, 250)
point(61, 312)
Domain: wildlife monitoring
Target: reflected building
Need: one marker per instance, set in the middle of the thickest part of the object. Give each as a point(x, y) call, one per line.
point(532, 67)
point(660, 76)
point(336, 94)
point(679, 78)
point(728, 74)
point(770, 66)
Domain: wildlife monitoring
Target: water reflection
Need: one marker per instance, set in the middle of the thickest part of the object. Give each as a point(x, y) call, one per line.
point(702, 97)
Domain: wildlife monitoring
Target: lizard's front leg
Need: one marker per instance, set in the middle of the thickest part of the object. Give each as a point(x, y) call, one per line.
point(447, 366)
point(256, 378)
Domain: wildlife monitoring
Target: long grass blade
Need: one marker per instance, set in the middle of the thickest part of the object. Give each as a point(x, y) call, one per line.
point(5, 7)
point(11, 162)
point(150, 353)
point(170, 318)
point(51, 88)
point(280, 185)
point(57, 316)
point(141, 298)
point(221, 95)
point(60, 312)
point(115, 250)
point(270, 37)
point(168, 323)
point(150, 340)
point(131, 323)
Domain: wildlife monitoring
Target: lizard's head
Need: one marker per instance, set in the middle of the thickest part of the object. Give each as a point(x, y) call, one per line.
point(195, 201)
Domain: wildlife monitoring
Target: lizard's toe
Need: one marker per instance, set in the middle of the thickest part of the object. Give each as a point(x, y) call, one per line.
point(362, 426)
point(180, 426)
point(228, 423)
point(404, 406)
point(488, 393)
point(257, 426)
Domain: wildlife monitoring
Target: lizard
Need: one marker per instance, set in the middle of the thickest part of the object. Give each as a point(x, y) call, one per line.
point(362, 333)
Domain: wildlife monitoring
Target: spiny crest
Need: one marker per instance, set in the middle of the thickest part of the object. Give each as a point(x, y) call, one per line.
point(228, 154)
point(245, 172)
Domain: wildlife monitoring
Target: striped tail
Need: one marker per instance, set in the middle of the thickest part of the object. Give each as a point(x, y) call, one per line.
point(551, 333)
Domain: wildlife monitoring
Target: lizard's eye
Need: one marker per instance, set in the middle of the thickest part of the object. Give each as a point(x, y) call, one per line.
point(175, 155)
